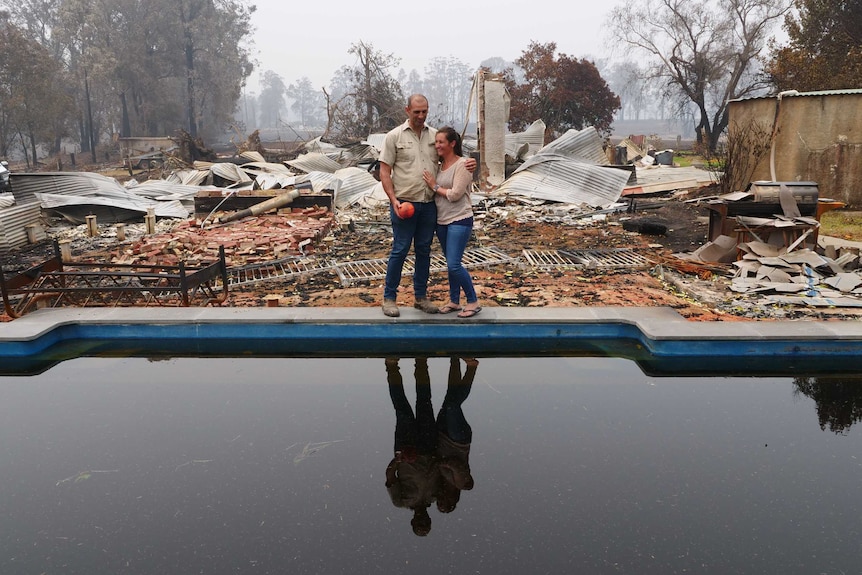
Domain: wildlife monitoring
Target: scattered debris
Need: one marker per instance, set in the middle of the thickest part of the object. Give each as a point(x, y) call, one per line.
point(550, 234)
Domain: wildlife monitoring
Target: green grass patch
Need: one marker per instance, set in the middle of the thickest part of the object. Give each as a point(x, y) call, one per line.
point(688, 159)
point(842, 224)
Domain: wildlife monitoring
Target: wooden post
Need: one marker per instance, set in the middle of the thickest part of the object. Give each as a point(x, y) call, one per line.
point(92, 226)
point(150, 221)
point(271, 300)
point(32, 233)
point(65, 250)
point(121, 232)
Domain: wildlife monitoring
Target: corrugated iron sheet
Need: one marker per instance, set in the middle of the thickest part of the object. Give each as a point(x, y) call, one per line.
point(321, 181)
point(77, 190)
point(110, 209)
point(315, 162)
point(355, 154)
point(583, 144)
point(188, 177)
point(794, 94)
point(13, 226)
point(318, 145)
point(256, 168)
point(26, 185)
point(164, 191)
point(533, 136)
point(563, 179)
point(230, 172)
point(355, 183)
point(253, 156)
point(376, 140)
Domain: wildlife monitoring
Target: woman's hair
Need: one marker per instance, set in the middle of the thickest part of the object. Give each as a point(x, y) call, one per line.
point(452, 136)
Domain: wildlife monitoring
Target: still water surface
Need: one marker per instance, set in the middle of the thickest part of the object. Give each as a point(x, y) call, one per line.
point(545, 465)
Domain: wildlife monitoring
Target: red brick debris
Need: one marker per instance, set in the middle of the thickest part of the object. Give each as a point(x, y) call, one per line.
point(256, 239)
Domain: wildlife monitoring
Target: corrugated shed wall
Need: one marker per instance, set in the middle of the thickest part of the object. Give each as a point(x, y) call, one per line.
point(13, 226)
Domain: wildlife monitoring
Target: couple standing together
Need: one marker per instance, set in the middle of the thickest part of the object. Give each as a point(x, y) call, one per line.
point(425, 166)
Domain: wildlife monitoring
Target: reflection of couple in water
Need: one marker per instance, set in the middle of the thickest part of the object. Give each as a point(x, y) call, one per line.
point(431, 460)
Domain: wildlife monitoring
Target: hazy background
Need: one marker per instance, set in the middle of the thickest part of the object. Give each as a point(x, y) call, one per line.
point(312, 38)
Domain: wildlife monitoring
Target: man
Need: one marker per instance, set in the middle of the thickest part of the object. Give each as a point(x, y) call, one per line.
point(408, 151)
point(413, 477)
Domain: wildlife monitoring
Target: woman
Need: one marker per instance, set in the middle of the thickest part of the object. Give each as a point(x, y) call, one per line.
point(451, 188)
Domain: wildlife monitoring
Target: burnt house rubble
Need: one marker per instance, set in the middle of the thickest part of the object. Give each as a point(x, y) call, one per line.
point(770, 234)
point(262, 219)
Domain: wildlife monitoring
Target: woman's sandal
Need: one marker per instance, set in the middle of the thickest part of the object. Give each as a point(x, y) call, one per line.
point(449, 308)
point(465, 313)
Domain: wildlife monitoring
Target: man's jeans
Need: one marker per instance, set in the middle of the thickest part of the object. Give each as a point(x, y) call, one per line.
point(454, 240)
point(418, 230)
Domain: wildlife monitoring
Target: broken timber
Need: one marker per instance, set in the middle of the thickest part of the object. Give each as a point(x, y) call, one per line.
point(660, 187)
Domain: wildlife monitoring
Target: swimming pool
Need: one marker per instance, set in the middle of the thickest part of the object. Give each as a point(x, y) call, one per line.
point(278, 465)
point(661, 341)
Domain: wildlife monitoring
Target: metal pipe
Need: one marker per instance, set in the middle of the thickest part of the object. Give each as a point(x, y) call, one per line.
point(270, 204)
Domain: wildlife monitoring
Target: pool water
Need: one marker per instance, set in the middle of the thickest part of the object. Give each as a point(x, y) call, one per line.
point(537, 465)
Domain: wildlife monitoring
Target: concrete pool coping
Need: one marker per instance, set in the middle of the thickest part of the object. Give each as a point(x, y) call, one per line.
point(658, 338)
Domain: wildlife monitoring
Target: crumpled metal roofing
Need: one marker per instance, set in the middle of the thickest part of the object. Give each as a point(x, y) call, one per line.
point(229, 171)
point(314, 162)
point(533, 136)
point(319, 146)
point(188, 177)
point(564, 179)
point(164, 191)
point(355, 183)
point(321, 181)
point(253, 156)
point(275, 181)
point(74, 194)
point(356, 154)
point(26, 185)
point(569, 170)
point(583, 144)
point(518, 146)
point(109, 209)
point(376, 140)
point(255, 168)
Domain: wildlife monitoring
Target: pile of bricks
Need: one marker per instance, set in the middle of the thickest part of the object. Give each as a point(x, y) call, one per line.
point(251, 240)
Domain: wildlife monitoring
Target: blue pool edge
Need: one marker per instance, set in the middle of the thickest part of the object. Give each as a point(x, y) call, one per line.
point(658, 338)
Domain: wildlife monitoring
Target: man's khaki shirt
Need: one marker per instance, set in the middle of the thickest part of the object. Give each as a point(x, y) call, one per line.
point(409, 156)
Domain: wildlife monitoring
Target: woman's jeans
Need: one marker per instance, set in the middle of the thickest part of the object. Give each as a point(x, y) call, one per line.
point(454, 238)
point(418, 230)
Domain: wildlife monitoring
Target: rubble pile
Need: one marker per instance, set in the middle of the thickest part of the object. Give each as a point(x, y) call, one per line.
point(814, 279)
point(252, 240)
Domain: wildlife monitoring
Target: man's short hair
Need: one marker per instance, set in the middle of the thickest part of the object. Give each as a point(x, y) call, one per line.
point(415, 97)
